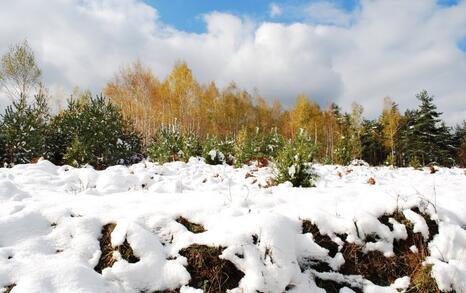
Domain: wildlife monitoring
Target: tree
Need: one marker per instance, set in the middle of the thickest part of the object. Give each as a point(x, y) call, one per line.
point(425, 139)
point(294, 161)
point(459, 141)
point(19, 73)
point(390, 120)
point(137, 92)
point(93, 131)
point(373, 151)
point(356, 129)
point(24, 130)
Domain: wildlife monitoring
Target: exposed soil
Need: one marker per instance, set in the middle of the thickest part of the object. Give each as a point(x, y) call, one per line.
point(208, 271)
point(322, 240)
point(106, 258)
point(373, 265)
point(192, 227)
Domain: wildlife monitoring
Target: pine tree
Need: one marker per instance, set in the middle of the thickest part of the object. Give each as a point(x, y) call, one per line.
point(24, 130)
point(373, 151)
point(93, 131)
point(459, 142)
point(344, 147)
point(430, 139)
point(294, 161)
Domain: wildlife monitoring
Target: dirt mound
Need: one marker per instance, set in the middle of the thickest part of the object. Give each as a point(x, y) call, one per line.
point(106, 258)
point(208, 271)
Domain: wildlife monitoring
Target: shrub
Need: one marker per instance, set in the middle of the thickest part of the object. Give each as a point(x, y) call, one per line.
point(344, 151)
point(192, 145)
point(391, 160)
point(167, 145)
point(24, 130)
point(93, 131)
point(294, 162)
point(218, 151)
point(415, 162)
point(256, 144)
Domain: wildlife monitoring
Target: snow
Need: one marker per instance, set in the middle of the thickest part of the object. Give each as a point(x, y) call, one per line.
point(51, 219)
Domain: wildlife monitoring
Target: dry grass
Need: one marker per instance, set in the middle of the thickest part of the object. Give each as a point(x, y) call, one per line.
point(422, 281)
point(209, 272)
point(371, 181)
point(374, 266)
point(106, 258)
point(192, 227)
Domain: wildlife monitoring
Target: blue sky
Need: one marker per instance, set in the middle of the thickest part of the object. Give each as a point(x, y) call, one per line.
point(186, 15)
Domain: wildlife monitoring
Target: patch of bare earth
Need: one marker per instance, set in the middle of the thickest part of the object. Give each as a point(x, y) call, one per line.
point(192, 227)
point(106, 258)
point(373, 265)
point(208, 271)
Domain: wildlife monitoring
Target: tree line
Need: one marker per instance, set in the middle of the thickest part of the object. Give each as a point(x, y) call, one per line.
point(139, 115)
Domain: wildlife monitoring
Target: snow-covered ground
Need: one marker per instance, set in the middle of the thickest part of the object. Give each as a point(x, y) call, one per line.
point(51, 219)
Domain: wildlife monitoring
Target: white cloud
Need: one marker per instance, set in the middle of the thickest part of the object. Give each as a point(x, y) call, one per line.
point(324, 12)
point(390, 47)
point(275, 10)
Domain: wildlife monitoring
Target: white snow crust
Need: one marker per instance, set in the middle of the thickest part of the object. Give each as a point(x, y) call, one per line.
point(51, 219)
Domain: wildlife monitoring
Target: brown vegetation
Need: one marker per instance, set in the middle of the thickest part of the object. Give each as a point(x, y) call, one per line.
point(192, 227)
point(373, 265)
point(106, 258)
point(371, 181)
point(208, 271)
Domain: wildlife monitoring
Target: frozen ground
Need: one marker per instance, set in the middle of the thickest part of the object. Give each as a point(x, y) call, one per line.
point(51, 220)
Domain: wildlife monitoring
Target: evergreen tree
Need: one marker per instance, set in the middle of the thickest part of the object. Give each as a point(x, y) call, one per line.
point(459, 142)
point(373, 151)
point(344, 148)
point(294, 161)
point(424, 138)
point(24, 130)
point(406, 147)
point(430, 138)
point(93, 131)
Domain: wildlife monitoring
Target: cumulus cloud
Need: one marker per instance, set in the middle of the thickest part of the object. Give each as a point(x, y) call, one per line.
point(324, 12)
point(387, 47)
point(275, 10)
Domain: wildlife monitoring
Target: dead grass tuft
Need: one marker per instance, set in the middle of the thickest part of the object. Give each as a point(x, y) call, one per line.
point(423, 282)
point(371, 181)
point(192, 227)
point(208, 271)
point(106, 258)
